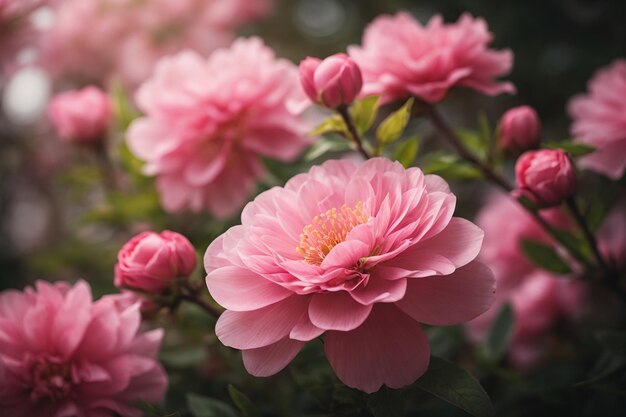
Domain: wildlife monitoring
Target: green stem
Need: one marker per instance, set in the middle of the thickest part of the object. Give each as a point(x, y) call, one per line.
point(356, 138)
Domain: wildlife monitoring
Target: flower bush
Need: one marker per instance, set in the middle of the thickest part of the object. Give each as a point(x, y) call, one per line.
point(384, 232)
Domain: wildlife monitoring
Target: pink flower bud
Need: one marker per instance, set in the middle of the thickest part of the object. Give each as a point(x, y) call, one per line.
point(546, 177)
point(519, 129)
point(152, 261)
point(81, 116)
point(332, 82)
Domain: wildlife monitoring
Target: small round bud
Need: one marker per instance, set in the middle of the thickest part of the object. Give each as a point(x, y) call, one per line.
point(519, 129)
point(152, 261)
point(333, 82)
point(546, 177)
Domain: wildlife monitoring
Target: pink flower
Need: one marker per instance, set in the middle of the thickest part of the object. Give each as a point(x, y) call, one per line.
point(600, 120)
point(519, 129)
point(612, 235)
point(65, 355)
point(546, 177)
point(81, 116)
point(540, 302)
point(209, 122)
point(401, 58)
point(506, 225)
point(16, 31)
point(152, 261)
point(362, 254)
point(333, 82)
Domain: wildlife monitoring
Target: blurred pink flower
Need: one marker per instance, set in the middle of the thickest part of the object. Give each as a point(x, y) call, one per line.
point(519, 129)
point(361, 253)
point(142, 32)
point(612, 235)
point(81, 116)
point(333, 82)
point(401, 58)
point(153, 261)
point(506, 224)
point(600, 120)
point(546, 177)
point(64, 355)
point(209, 122)
point(540, 302)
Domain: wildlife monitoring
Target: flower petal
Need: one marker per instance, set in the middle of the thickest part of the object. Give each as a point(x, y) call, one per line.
point(239, 289)
point(337, 311)
point(388, 348)
point(451, 299)
point(262, 327)
point(268, 360)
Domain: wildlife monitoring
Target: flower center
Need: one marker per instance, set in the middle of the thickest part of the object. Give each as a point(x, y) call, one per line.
point(51, 379)
point(327, 230)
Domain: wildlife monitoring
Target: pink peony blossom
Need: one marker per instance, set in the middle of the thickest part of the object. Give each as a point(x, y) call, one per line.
point(519, 129)
point(362, 254)
point(546, 177)
point(152, 261)
point(600, 120)
point(540, 302)
point(401, 58)
point(81, 116)
point(208, 122)
point(333, 82)
point(64, 355)
point(506, 224)
point(142, 31)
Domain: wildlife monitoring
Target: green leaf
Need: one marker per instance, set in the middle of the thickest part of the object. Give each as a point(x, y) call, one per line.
point(326, 144)
point(406, 151)
point(545, 257)
point(392, 127)
point(125, 111)
point(571, 147)
point(450, 166)
point(499, 334)
point(334, 124)
point(243, 403)
point(473, 141)
point(576, 245)
point(386, 402)
point(364, 113)
point(449, 382)
point(200, 406)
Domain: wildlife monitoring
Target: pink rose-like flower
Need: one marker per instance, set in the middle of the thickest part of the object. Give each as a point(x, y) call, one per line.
point(333, 82)
point(362, 254)
point(81, 116)
point(152, 261)
point(600, 120)
point(401, 58)
point(65, 355)
point(209, 122)
point(546, 177)
point(519, 129)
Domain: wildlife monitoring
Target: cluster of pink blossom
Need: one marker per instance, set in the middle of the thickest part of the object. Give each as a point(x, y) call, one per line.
point(539, 299)
point(102, 40)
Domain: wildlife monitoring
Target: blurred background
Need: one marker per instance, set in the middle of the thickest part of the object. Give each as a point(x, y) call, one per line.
point(44, 194)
